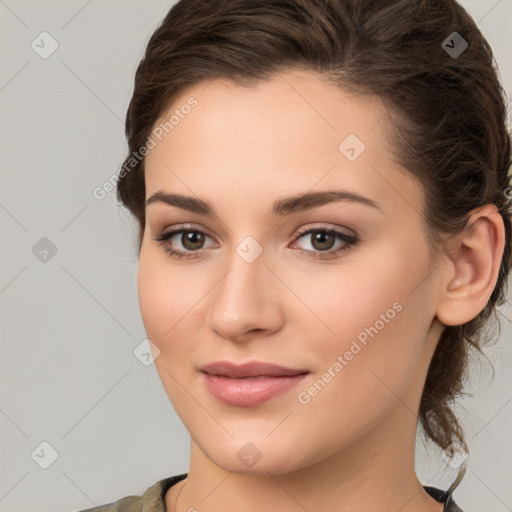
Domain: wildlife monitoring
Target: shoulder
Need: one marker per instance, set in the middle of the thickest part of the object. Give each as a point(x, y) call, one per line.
point(126, 504)
point(153, 499)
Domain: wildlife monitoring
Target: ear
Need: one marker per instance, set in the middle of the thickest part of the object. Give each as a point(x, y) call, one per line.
point(473, 271)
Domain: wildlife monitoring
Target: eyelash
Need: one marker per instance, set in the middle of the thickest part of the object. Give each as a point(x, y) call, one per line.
point(350, 240)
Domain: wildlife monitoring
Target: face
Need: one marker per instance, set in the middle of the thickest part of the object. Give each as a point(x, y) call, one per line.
point(339, 288)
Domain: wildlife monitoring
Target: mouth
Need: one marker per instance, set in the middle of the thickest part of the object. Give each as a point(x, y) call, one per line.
point(249, 384)
point(251, 369)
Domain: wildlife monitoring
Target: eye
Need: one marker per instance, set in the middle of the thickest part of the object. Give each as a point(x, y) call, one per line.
point(322, 239)
point(192, 240)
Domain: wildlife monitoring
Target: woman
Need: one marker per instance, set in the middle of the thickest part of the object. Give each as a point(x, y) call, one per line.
point(322, 194)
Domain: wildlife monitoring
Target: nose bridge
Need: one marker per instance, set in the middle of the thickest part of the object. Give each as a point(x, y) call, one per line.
point(244, 297)
point(247, 272)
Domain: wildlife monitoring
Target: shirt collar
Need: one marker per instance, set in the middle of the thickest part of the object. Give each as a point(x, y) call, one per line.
point(153, 500)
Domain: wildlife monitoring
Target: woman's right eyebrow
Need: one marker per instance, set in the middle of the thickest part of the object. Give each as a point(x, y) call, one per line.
point(280, 208)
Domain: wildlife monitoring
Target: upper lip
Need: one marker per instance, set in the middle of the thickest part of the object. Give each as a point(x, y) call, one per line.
point(251, 369)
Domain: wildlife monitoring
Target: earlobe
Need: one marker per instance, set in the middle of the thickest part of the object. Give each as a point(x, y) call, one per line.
point(474, 269)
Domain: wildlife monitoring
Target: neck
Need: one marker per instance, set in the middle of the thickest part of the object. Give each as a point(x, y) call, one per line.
point(376, 472)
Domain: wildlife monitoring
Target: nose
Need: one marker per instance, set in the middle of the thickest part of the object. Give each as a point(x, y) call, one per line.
point(245, 300)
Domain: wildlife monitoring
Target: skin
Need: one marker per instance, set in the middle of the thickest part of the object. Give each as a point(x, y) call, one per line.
point(351, 448)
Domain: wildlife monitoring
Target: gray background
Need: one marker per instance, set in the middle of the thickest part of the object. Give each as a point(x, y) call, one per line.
point(69, 325)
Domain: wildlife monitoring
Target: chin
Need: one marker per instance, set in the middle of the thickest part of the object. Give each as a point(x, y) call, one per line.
point(257, 457)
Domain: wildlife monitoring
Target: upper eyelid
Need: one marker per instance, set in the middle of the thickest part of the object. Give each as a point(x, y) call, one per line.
point(304, 231)
point(180, 228)
point(299, 232)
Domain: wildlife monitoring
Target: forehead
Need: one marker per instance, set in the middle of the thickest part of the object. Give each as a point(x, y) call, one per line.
point(298, 95)
point(296, 132)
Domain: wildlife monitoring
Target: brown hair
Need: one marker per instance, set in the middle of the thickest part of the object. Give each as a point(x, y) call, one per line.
point(448, 114)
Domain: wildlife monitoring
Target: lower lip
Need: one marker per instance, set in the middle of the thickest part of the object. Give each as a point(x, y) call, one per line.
point(249, 391)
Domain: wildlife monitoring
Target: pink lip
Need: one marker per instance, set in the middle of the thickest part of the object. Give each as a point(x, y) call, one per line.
point(249, 391)
point(252, 369)
point(249, 384)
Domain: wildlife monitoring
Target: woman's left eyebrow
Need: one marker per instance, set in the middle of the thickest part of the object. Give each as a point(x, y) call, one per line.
point(280, 208)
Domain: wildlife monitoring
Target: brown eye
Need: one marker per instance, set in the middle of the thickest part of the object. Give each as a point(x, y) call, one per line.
point(192, 240)
point(322, 241)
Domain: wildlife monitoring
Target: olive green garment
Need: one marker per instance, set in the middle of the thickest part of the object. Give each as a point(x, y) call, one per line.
point(153, 500)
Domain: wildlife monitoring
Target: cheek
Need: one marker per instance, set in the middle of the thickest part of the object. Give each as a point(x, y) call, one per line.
point(164, 297)
point(366, 292)
point(166, 314)
point(368, 327)
point(155, 297)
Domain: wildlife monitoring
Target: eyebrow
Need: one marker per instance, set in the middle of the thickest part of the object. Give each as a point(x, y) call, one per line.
point(280, 208)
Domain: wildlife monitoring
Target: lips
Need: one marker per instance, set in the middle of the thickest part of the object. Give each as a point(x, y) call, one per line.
point(249, 384)
point(253, 369)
